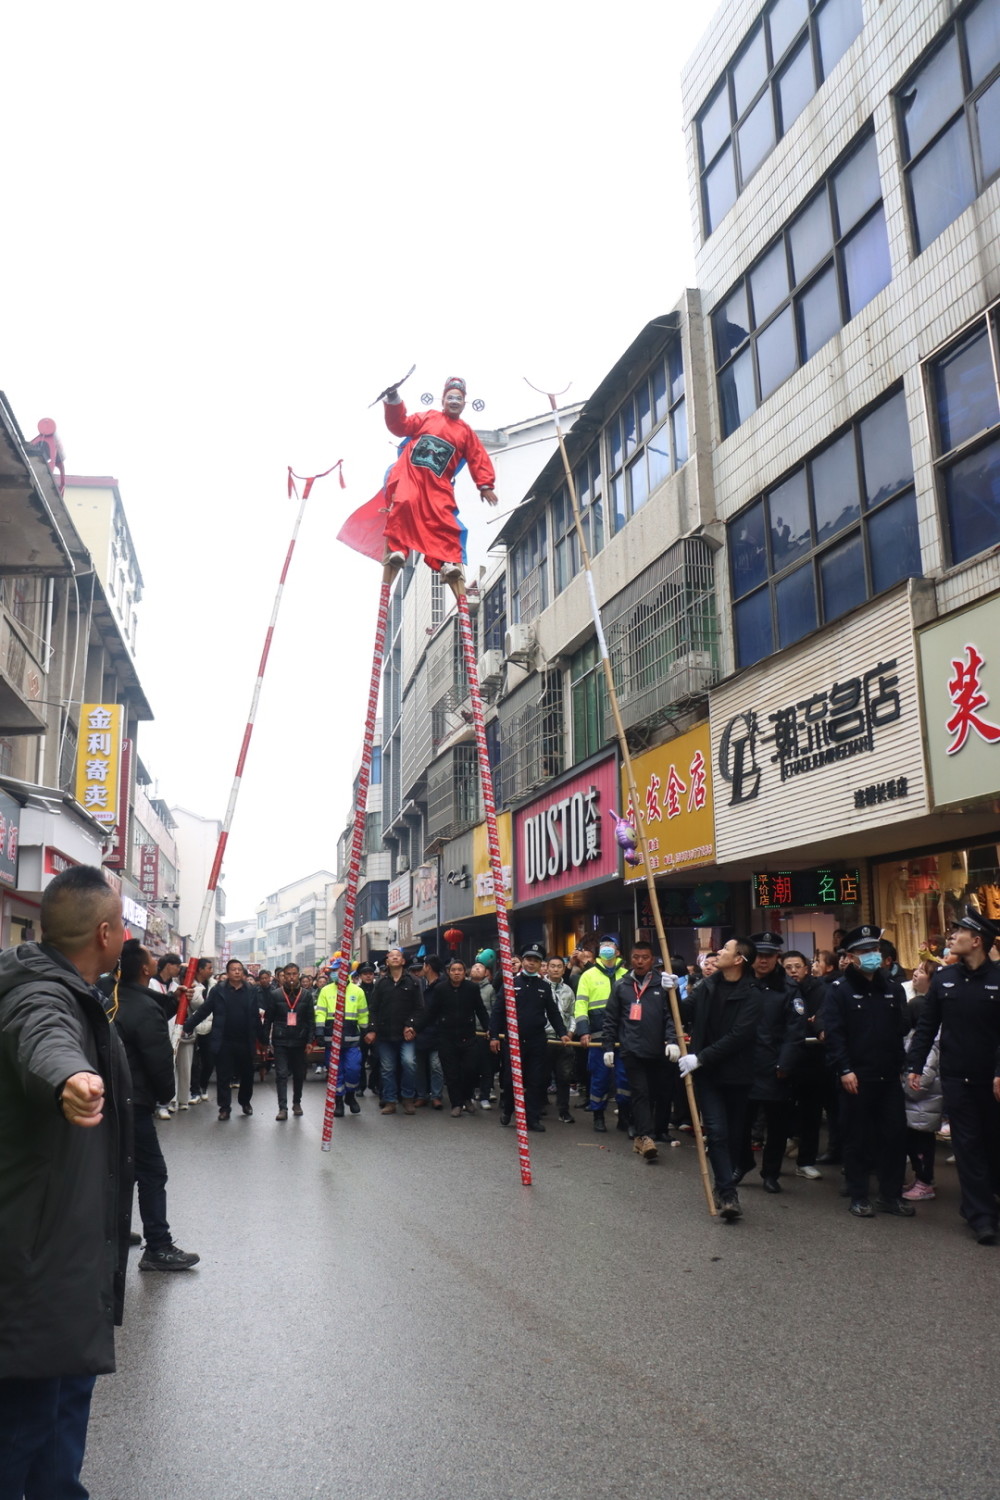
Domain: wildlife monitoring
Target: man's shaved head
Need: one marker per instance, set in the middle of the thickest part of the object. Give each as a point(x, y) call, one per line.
point(74, 905)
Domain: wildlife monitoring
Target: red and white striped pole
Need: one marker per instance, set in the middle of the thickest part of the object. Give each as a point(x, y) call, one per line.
point(227, 822)
point(503, 927)
point(354, 865)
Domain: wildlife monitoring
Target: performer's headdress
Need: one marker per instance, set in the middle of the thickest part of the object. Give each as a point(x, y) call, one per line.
point(456, 382)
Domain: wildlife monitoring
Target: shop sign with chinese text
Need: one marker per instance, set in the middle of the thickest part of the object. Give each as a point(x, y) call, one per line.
point(399, 894)
point(149, 871)
point(483, 904)
point(773, 890)
point(565, 837)
point(794, 738)
point(960, 679)
point(674, 783)
point(98, 760)
point(425, 896)
point(118, 858)
point(10, 832)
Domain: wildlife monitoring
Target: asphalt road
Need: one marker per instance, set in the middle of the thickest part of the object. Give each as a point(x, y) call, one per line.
point(400, 1317)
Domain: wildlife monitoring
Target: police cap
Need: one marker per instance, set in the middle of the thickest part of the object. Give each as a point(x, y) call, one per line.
point(533, 950)
point(767, 942)
point(975, 922)
point(865, 936)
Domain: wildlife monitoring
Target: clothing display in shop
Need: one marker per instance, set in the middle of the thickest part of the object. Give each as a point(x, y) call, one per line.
point(903, 923)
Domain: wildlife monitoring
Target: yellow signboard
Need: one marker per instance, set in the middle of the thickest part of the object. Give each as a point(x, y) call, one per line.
point(483, 904)
point(98, 760)
point(674, 783)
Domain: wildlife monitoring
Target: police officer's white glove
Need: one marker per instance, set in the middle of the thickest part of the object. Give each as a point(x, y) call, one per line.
point(609, 1059)
point(688, 1064)
point(673, 1052)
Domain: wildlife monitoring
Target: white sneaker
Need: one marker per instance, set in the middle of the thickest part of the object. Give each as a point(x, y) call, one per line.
point(172, 1106)
point(318, 1072)
point(163, 1113)
point(182, 1106)
point(813, 1173)
point(204, 1098)
point(485, 1104)
point(195, 1099)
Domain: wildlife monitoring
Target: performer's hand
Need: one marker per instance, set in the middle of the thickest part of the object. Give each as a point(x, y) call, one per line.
point(391, 397)
point(490, 496)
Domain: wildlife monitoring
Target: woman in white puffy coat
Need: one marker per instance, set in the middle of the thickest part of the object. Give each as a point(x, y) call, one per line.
point(923, 1120)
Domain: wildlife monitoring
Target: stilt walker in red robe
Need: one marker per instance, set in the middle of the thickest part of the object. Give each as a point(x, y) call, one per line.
point(416, 510)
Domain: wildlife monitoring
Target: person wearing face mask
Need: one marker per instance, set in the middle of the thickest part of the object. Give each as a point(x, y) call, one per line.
point(865, 1022)
point(592, 995)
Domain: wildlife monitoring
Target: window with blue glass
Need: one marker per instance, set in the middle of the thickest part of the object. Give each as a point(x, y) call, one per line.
point(965, 392)
point(567, 558)
point(529, 587)
point(824, 267)
point(949, 110)
point(838, 530)
point(495, 616)
point(647, 439)
point(790, 51)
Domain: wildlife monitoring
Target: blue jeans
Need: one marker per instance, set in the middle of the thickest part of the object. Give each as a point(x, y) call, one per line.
point(722, 1111)
point(430, 1075)
point(600, 1081)
point(392, 1055)
point(43, 1435)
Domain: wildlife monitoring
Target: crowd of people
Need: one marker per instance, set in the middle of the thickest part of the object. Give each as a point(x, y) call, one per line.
point(99, 1040)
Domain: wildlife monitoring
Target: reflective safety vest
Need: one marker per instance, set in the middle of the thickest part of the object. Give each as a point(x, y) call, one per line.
point(593, 991)
point(355, 1008)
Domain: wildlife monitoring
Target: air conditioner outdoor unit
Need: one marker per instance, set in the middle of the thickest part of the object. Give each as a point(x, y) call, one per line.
point(519, 642)
point(402, 864)
point(490, 668)
point(690, 674)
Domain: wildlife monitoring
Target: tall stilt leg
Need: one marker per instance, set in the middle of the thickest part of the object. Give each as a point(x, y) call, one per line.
point(357, 844)
point(503, 928)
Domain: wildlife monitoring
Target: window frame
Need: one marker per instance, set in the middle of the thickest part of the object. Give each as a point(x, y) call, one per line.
point(945, 459)
point(798, 290)
point(971, 95)
point(775, 65)
point(817, 550)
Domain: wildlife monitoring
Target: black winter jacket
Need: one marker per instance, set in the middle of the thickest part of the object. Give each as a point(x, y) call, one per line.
point(965, 1003)
point(865, 1021)
point(781, 1033)
point(275, 1028)
point(142, 1026)
point(454, 1010)
point(222, 997)
point(723, 1021)
point(394, 1005)
point(65, 1191)
point(535, 1004)
point(654, 1030)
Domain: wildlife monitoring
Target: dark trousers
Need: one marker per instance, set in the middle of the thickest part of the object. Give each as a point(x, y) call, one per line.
point(460, 1060)
point(534, 1072)
point(873, 1128)
point(974, 1117)
point(289, 1058)
point(565, 1065)
point(487, 1068)
point(723, 1111)
point(777, 1114)
point(234, 1061)
point(921, 1148)
point(202, 1065)
point(43, 1436)
point(811, 1090)
point(151, 1181)
point(649, 1082)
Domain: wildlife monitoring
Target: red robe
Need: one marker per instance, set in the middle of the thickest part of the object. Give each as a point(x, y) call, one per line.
point(419, 493)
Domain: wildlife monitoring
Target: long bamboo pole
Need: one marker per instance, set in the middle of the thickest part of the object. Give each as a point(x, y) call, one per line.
point(654, 902)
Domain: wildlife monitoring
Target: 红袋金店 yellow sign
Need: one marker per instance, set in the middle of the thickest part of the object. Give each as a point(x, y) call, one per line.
point(674, 783)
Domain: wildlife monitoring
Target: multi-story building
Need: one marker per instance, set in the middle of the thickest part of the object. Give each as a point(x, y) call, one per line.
point(292, 923)
point(62, 646)
point(844, 188)
point(197, 839)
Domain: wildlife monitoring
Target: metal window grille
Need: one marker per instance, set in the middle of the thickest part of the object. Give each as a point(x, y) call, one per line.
point(532, 736)
point(662, 632)
point(453, 793)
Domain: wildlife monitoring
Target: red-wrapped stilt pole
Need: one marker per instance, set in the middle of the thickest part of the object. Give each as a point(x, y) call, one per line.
point(503, 927)
point(354, 865)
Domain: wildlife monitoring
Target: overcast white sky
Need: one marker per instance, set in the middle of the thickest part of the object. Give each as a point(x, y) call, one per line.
point(228, 228)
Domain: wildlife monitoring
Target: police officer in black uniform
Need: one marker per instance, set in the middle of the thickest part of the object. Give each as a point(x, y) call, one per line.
point(535, 1003)
point(964, 1001)
point(781, 1033)
point(864, 1017)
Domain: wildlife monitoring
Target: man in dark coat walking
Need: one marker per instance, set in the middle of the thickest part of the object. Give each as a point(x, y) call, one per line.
point(781, 1034)
point(234, 1007)
point(143, 1028)
point(65, 1183)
